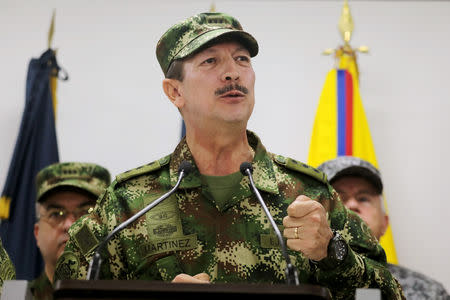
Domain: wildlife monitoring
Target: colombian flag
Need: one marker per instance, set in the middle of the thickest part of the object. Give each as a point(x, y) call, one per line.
point(341, 128)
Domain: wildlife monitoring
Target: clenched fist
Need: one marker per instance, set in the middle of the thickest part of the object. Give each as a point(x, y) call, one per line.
point(306, 228)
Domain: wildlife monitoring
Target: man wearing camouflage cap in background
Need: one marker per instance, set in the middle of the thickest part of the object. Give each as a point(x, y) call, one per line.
point(213, 229)
point(360, 187)
point(65, 192)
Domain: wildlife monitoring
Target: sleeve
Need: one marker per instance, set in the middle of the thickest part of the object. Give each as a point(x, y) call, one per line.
point(84, 237)
point(365, 265)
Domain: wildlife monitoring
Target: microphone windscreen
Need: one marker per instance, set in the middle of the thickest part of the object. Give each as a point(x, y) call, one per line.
point(186, 167)
point(244, 166)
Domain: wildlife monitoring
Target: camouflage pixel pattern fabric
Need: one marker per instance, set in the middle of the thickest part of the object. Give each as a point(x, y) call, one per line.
point(86, 176)
point(188, 36)
point(189, 233)
point(41, 288)
point(417, 286)
point(7, 270)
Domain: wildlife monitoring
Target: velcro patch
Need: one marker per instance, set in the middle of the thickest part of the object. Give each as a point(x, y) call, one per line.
point(270, 240)
point(67, 266)
point(85, 239)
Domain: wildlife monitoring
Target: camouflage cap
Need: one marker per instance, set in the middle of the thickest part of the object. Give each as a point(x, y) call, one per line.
point(188, 36)
point(86, 176)
point(352, 166)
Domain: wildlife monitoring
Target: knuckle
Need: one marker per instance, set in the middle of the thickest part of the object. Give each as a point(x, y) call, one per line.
point(303, 198)
point(292, 208)
point(315, 219)
point(317, 206)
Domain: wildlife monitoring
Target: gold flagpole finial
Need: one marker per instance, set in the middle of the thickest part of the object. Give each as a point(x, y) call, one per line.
point(51, 30)
point(346, 27)
point(213, 7)
point(345, 24)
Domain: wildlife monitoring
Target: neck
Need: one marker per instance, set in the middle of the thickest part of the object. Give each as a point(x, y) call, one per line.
point(219, 152)
point(49, 271)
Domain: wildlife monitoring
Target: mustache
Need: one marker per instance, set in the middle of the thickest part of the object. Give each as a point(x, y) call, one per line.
point(225, 89)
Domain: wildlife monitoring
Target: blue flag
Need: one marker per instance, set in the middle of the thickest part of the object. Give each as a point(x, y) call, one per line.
point(36, 147)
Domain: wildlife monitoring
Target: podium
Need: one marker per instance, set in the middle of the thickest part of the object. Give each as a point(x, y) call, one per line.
point(158, 290)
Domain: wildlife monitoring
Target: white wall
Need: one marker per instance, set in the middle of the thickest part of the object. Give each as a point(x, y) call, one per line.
point(113, 111)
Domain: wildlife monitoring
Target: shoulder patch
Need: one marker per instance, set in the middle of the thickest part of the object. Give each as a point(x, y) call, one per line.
point(7, 270)
point(67, 266)
point(85, 239)
point(153, 166)
point(300, 167)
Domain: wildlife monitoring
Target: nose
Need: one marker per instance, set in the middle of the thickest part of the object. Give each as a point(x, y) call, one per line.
point(69, 220)
point(231, 72)
point(352, 204)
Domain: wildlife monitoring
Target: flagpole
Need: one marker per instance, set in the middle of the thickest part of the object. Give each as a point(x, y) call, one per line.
point(346, 28)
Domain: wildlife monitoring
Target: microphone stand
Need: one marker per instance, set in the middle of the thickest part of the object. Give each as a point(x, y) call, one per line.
point(96, 261)
point(291, 272)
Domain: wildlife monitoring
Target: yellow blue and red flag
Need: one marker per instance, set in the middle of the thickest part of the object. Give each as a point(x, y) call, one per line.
point(341, 127)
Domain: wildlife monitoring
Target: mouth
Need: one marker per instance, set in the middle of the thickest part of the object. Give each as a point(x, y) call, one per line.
point(233, 94)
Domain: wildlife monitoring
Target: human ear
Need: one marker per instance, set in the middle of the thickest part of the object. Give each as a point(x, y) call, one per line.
point(36, 232)
point(171, 88)
point(385, 224)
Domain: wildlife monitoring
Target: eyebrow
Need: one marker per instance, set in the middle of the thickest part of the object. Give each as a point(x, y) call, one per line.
point(212, 49)
point(366, 192)
point(56, 206)
point(358, 193)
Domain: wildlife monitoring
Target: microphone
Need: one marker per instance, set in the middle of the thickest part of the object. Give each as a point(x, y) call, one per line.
point(291, 272)
point(96, 261)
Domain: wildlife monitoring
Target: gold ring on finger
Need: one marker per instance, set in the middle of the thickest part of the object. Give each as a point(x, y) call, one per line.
point(296, 232)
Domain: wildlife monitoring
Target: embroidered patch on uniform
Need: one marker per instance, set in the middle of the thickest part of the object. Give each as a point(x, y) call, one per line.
point(164, 230)
point(67, 266)
point(179, 243)
point(85, 239)
point(7, 271)
point(163, 221)
point(269, 241)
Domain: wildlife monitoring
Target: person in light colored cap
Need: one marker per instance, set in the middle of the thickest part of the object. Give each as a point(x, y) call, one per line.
point(65, 192)
point(360, 188)
point(213, 228)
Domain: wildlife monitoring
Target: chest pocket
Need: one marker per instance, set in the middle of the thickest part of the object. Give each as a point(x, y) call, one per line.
point(164, 228)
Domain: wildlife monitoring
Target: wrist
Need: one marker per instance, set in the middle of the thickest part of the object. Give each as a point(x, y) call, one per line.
point(337, 251)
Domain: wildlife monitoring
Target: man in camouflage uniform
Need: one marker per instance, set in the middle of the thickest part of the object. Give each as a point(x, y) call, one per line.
point(360, 188)
point(213, 229)
point(7, 270)
point(65, 192)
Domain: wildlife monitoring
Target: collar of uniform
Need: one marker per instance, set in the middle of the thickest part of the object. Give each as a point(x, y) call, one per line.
point(263, 170)
point(181, 153)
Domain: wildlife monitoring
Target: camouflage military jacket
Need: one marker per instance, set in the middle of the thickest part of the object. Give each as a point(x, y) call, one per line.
point(7, 270)
point(233, 242)
point(41, 288)
point(417, 286)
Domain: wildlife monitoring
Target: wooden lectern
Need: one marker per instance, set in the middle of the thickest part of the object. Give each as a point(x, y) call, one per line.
point(140, 289)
